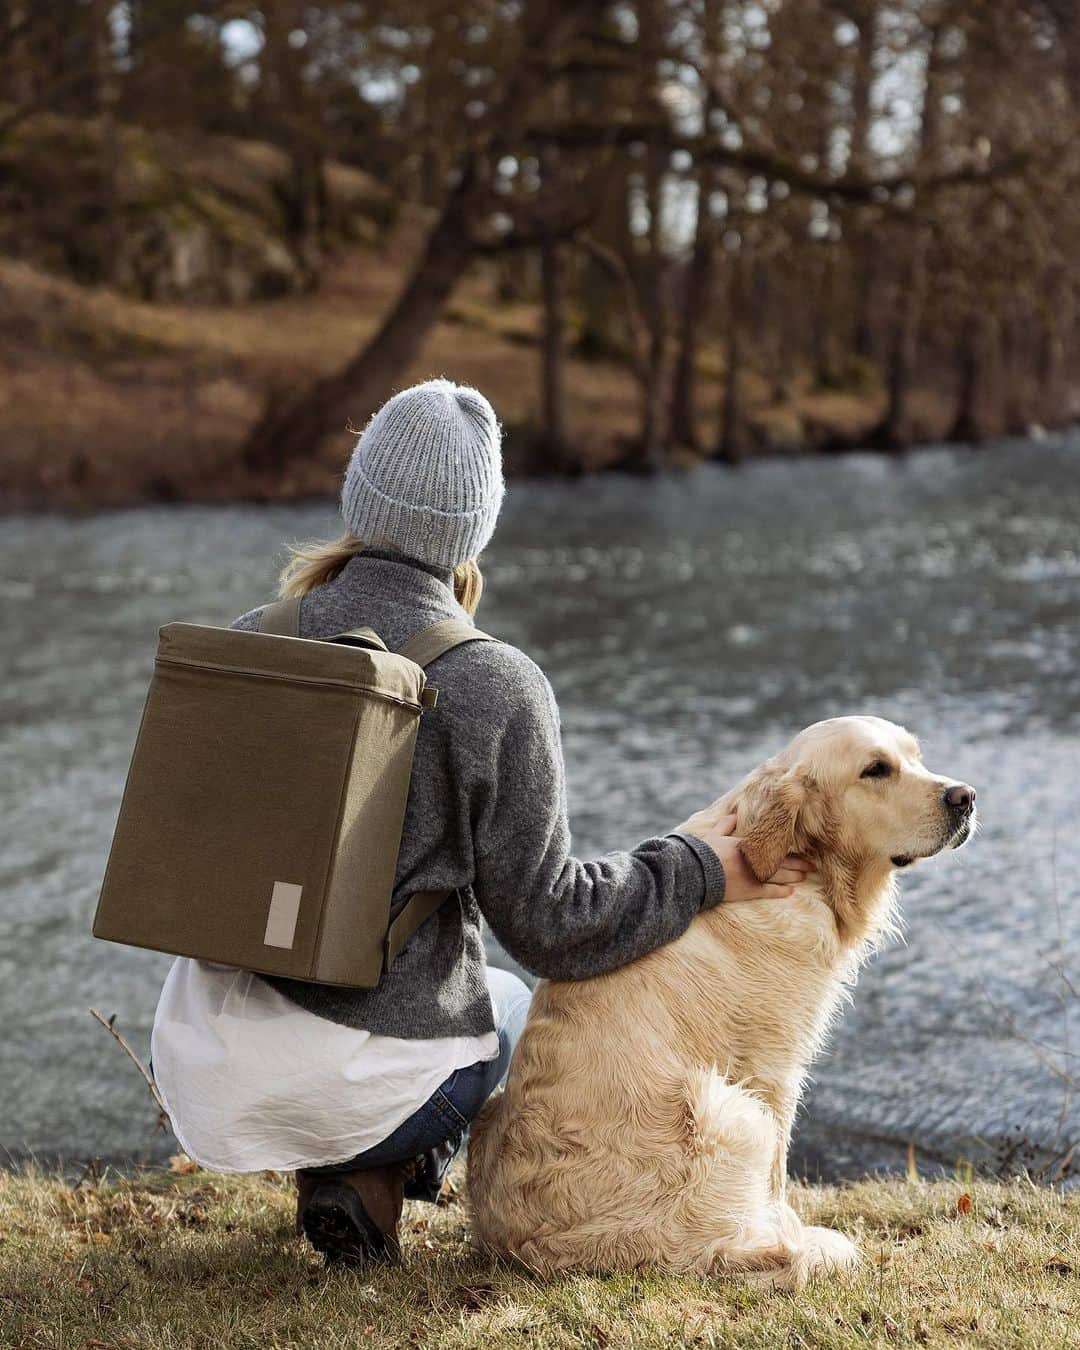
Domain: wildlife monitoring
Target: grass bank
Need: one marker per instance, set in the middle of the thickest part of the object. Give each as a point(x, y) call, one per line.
point(172, 1259)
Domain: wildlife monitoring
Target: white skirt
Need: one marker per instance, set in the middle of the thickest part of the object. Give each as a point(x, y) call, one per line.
point(252, 1081)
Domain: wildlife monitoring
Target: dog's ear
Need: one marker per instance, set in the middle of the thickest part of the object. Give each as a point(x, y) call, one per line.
point(769, 817)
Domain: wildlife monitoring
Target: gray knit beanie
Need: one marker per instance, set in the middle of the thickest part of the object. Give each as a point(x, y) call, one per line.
point(426, 474)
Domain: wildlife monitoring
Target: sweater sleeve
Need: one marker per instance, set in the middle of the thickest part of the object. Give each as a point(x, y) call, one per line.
point(560, 917)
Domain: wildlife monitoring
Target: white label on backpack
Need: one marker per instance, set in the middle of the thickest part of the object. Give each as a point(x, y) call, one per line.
point(281, 921)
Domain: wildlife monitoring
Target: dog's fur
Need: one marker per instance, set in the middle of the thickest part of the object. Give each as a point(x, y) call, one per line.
point(647, 1114)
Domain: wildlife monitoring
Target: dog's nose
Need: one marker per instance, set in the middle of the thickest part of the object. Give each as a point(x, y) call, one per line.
point(960, 798)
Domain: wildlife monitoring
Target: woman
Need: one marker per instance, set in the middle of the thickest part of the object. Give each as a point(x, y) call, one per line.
point(366, 1093)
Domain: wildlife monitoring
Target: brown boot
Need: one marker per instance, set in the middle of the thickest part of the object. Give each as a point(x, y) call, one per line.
point(352, 1217)
point(306, 1184)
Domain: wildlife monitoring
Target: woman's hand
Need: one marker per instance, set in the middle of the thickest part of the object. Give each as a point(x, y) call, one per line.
point(718, 831)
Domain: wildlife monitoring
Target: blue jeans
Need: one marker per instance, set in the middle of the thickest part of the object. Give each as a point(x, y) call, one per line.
point(437, 1130)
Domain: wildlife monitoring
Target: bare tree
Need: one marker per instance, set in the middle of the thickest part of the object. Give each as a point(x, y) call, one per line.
point(730, 444)
point(593, 157)
point(293, 428)
point(911, 288)
point(699, 274)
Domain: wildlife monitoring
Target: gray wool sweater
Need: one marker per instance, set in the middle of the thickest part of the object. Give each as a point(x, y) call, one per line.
point(486, 818)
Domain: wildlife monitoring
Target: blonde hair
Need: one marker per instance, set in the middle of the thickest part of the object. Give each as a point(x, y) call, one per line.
point(313, 564)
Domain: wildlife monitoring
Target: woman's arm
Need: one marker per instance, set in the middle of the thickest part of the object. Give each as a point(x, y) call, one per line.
point(560, 917)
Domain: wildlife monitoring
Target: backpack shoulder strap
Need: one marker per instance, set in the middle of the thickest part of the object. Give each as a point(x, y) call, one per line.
point(426, 646)
point(419, 907)
point(282, 618)
point(431, 643)
point(361, 637)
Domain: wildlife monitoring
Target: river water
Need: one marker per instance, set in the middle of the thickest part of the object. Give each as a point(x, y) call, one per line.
point(690, 626)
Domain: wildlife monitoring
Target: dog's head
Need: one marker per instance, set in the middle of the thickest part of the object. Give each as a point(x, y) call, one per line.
point(853, 795)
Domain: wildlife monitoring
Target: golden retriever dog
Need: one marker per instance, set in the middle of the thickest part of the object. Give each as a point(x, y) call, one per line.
point(647, 1113)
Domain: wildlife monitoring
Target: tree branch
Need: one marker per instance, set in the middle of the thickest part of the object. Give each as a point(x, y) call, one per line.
point(755, 160)
point(532, 230)
point(109, 1023)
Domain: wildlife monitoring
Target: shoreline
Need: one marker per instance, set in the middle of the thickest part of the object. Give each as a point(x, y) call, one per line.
point(821, 1155)
point(680, 465)
point(114, 402)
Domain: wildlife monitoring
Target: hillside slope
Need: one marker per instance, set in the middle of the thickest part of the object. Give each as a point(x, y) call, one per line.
point(145, 390)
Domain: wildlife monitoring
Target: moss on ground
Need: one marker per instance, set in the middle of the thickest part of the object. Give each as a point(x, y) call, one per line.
point(172, 1259)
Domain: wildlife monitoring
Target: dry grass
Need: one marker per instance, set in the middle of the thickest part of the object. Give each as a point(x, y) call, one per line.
point(167, 1259)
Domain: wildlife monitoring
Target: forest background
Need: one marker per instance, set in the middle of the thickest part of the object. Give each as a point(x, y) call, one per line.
point(653, 232)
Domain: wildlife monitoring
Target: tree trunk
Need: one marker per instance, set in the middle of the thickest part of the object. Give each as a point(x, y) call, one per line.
point(297, 125)
point(654, 402)
point(866, 287)
point(824, 354)
point(106, 95)
point(683, 428)
point(895, 430)
point(309, 205)
point(599, 292)
point(730, 445)
point(1014, 405)
point(1051, 370)
point(864, 251)
point(652, 437)
point(976, 398)
point(1056, 322)
point(432, 170)
point(695, 300)
point(553, 394)
point(352, 394)
point(603, 331)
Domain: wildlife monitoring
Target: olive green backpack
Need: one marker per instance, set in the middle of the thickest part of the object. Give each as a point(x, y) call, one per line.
point(262, 817)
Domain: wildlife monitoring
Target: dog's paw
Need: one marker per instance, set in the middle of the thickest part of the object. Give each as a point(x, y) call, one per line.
point(829, 1250)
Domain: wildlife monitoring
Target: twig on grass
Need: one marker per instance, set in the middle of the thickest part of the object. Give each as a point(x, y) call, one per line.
point(91, 1172)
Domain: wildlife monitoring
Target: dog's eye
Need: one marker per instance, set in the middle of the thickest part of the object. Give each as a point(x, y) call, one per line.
point(881, 768)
